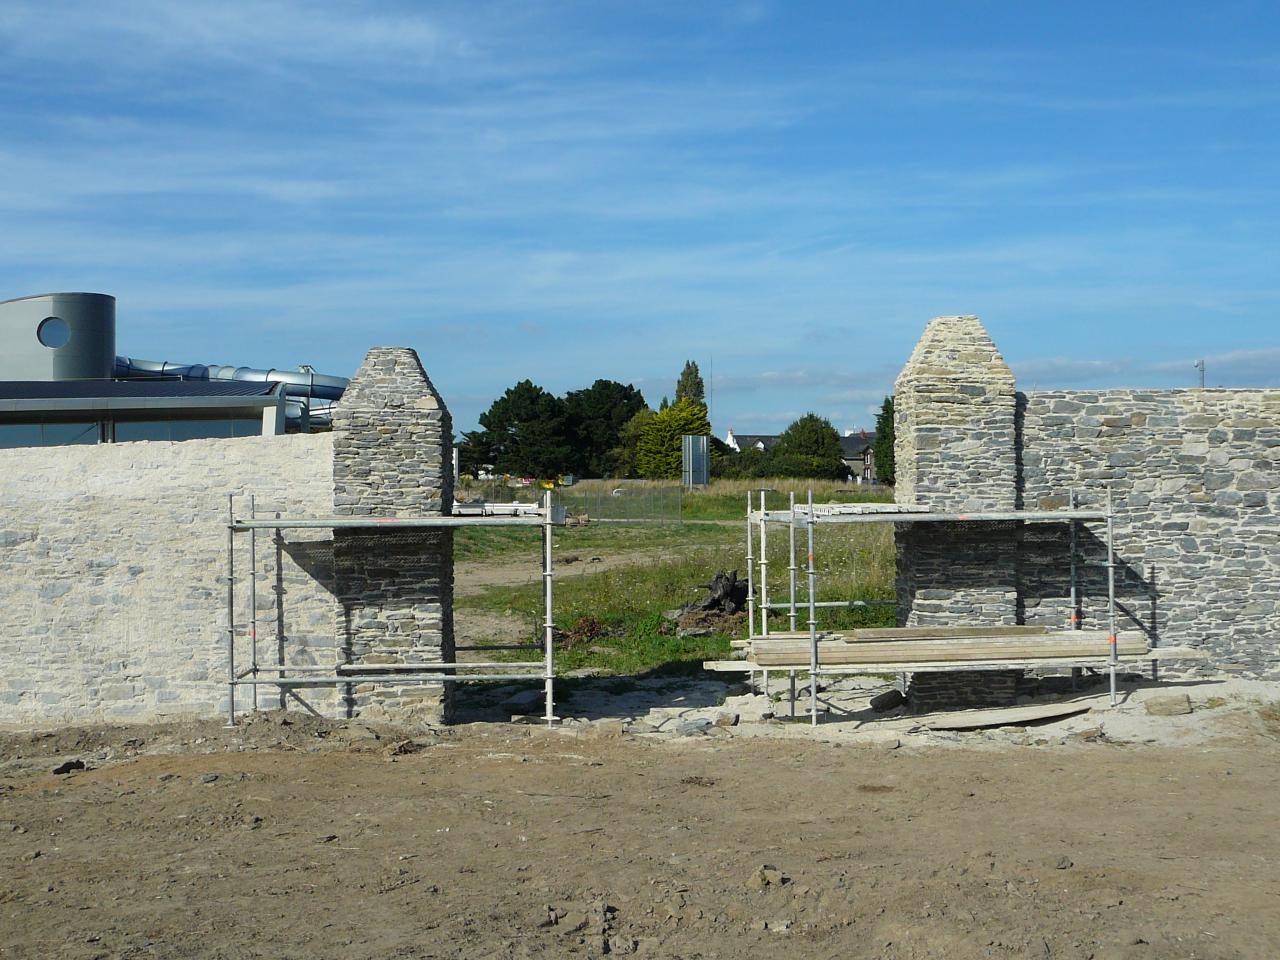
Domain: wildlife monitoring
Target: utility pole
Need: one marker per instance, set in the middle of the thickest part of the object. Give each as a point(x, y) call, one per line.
point(1199, 365)
point(711, 389)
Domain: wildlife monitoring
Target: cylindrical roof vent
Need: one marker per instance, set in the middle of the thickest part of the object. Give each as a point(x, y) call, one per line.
point(58, 336)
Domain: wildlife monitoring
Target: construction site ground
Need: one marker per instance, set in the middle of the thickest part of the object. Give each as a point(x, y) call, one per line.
point(652, 834)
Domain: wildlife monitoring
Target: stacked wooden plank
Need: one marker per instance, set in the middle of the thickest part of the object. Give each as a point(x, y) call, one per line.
point(941, 645)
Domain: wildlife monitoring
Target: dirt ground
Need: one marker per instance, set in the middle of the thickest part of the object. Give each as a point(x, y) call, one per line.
point(476, 576)
point(296, 837)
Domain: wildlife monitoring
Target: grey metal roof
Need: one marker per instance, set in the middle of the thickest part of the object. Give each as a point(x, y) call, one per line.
point(132, 389)
point(24, 398)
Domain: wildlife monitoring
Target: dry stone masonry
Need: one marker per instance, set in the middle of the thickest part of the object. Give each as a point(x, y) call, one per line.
point(113, 578)
point(392, 437)
point(956, 450)
point(113, 574)
point(1195, 476)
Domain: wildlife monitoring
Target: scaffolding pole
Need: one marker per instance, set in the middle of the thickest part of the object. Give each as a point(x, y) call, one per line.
point(813, 621)
point(791, 566)
point(751, 578)
point(1073, 619)
point(231, 611)
point(1111, 593)
point(764, 570)
point(253, 598)
point(549, 626)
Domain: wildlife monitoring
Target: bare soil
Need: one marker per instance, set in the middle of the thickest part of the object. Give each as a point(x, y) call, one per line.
point(476, 576)
point(311, 838)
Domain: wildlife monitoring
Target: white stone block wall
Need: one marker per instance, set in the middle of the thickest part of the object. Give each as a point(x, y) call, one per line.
point(113, 575)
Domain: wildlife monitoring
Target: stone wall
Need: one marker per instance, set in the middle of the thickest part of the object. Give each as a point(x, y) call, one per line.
point(955, 450)
point(1194, 477)
point(113, 563)
point(392, 437)
point(113, 575)
point(954, 421)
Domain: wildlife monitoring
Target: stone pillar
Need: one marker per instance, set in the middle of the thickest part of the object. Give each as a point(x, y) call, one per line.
point(955, 431)
point(955, 421)
point(391, 443)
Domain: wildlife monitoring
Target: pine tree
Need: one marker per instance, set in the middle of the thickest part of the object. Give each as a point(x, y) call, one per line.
point(690, 386)
point(883, 448)
point(597, 416)
point(525, 432)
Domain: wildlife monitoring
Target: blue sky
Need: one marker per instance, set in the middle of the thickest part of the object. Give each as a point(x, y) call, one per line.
point(564, 191)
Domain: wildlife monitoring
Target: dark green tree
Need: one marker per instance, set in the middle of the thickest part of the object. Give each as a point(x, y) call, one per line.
point(597, 415)
point(883, 448)
point(748, 464)
point(659, 452)
point(526, 432)
point(809, 447)
point(623, 458)
point(690, 386)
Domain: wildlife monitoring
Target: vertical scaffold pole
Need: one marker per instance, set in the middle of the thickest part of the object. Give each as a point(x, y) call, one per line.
point(813, 622)
point(764, 569)
point(1111, 593)
point(1073, 619)
point(253, 597)
point(231, 610)
point(791, 568)
point(751, 577)
point(548, 627)
point(278, 539)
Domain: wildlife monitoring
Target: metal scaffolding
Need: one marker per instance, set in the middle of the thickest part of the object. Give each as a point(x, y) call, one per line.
point(290, 677)
point(810, 515)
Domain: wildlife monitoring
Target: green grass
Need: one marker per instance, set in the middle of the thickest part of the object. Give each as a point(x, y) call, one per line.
point(612, 620)
point(488, 543)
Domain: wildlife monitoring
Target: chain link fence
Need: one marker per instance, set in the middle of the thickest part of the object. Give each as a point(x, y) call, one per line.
point(637, 501)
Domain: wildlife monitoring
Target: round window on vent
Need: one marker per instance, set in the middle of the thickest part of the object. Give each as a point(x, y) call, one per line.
point(53, 332)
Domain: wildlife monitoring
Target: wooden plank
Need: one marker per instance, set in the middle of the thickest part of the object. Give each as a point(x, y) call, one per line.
point(1179, 653)
point(862, 669)
point(1075, 636)
point(988, 657)
point(729, 666)
point(977, 719)
point(943, 651)
point(870, 646)
point(913, 633)
point(766, 653)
